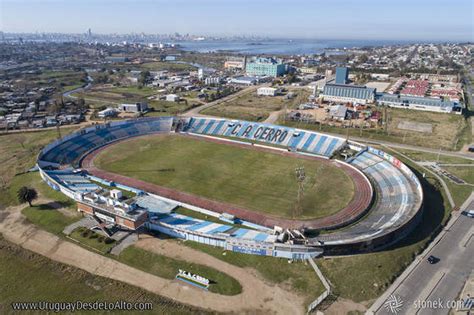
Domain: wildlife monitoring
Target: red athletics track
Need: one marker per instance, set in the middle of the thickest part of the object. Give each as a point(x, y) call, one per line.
point(355, 209)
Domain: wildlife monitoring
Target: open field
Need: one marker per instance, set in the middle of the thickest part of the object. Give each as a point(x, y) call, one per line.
point(249, 106)
point(26, 276)
point(464, 172)
point(433, 157)
point(450, 131)
point(259, 181)
point(117, 94)
point(166, 267)
point(49, 218)
point(17, 155)
point(170, 66)
point(64, 80)
point(107, 96)
point(297, 276)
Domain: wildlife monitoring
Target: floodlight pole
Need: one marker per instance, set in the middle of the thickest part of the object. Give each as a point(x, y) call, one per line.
point(300, 178)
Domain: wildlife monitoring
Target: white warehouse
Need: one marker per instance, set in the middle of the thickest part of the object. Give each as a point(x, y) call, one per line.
point(267, 91)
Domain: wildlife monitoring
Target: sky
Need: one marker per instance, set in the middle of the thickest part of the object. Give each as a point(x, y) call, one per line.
point(441, 20)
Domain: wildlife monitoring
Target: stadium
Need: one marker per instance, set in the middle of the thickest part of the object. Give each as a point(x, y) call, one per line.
point(243, 186)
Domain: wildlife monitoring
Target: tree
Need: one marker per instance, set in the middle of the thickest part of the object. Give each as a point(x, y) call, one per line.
point(145, 76)
point(26, 194)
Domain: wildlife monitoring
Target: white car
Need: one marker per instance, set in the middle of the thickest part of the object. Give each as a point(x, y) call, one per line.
point(469, 213)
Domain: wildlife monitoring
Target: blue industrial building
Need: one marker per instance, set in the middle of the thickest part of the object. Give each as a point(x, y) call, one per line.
point(342, 75)
point(265, 67)
point(348, 93)
point(418, 103)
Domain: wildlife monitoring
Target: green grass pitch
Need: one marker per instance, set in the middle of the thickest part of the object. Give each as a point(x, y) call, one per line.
point(256, 180)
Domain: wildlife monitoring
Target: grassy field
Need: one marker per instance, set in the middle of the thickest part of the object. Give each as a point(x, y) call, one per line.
point(48, 218)
point(64, 80)
point(433, 157)
point(450, 132)
point(297, 276)
point(249, 106)
point(458, 192)
point(18, 151)
point(18, 154)
point(168, 108)
point(93, 239)
point(170, 66)
point(252, 179)
point(26, 276)
point(108, 96)
point(464, 172)
point(166, 267)
point(117, 94)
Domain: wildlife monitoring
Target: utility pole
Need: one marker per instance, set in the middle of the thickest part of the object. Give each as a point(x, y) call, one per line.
point(58, 130)
point(300, 178)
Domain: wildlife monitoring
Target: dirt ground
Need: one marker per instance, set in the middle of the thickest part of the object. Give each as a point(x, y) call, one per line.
point(251, 282)
point(380, 86)
point(344, 306)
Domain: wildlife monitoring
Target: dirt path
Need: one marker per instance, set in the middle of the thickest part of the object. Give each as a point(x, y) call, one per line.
point(255, 297)
point(273, 117)
point(255, 288)
point(344, 306)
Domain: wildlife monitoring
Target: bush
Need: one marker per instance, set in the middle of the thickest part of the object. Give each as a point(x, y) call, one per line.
point(93, 235)
point(108, 240)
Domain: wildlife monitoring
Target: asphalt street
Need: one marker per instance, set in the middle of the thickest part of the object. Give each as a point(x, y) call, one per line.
point(430, 288)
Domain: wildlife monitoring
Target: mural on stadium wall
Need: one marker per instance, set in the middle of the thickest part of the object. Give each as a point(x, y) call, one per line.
point(259, 132)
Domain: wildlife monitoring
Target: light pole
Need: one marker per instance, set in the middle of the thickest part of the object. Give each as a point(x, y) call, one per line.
point(300, 178)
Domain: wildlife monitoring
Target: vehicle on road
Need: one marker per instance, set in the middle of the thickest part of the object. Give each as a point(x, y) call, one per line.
point(433, 260)
point(469, 213)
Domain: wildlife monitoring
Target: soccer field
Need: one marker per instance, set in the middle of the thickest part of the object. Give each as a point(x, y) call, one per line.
point(256, 180)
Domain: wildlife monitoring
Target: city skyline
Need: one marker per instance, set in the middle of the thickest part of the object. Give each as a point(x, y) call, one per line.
point(338, 19)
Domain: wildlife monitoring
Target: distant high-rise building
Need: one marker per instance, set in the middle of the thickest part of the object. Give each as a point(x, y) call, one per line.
point(89, 33)
point(342, 75)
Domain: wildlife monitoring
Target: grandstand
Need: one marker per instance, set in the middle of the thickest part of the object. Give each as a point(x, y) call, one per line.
point(398, 203)
point(77, 182)
point(72, 147)
point(293, 139)
point(394, 213)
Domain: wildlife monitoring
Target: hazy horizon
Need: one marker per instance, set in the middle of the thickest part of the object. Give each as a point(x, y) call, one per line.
point(409, 21)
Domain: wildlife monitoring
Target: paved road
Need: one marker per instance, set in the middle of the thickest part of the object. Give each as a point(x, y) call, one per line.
point(443, 281)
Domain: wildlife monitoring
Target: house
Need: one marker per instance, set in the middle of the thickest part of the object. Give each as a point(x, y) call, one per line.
point(244, 80)
point(133, 108)
point(172, 98)
point(108, 112)
point(338, 112)
point(267, 91)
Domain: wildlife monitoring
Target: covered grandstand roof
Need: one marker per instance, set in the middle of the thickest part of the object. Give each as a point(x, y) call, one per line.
point(190, 224)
